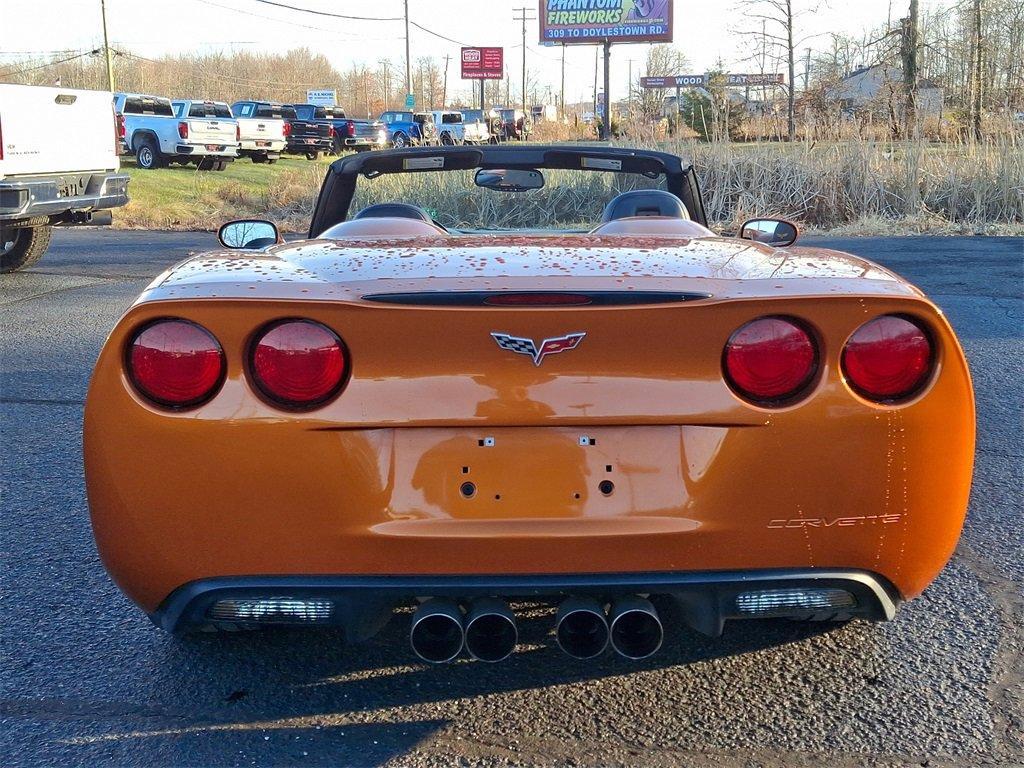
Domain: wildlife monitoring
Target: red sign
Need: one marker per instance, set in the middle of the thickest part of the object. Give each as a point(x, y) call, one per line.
point(483, 63)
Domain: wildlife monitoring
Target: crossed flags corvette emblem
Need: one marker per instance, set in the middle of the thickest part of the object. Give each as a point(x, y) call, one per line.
point(538, 352)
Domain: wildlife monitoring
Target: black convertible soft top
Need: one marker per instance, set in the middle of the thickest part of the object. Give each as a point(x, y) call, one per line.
point(332, 206)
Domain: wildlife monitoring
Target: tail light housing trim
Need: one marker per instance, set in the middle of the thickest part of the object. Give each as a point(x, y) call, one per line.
point(263, 359)
point(149, 359)
point(750, 356)
point(869, 362)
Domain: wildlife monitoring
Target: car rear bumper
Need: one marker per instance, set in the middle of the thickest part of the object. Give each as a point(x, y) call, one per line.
point(27, 197)
point(361, 604)
point(207, 150)
point(260, 145)
point(308, 144)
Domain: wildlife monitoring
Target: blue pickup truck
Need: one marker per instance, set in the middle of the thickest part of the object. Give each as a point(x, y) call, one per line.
point(409, 128)
point(359, 135)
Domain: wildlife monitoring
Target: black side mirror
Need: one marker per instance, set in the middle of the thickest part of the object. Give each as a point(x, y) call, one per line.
point(248, 234)
point(776, 232)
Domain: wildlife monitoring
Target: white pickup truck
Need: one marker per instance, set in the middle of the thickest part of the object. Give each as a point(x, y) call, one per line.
point(453, 128)
point(156, 135)
point(261, 136)
point(47, 179)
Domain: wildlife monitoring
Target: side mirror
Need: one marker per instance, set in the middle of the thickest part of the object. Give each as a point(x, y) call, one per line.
point(248, 234)
point(777, 232)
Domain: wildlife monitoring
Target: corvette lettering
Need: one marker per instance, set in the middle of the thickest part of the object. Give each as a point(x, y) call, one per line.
point(537, 352)
point(835, 522)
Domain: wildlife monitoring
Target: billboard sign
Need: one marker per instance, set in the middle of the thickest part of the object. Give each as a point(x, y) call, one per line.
point(589, 22)
point(322, 97)
point(483, 63)
point(701, 81)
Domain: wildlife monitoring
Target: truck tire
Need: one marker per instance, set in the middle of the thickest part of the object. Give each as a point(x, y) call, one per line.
point(271, 160)
point(312, 155)
point(400, 140)
point(206, 164)
point(22, 247)
point(259, 157)
point(220, 165)
point(147, 154)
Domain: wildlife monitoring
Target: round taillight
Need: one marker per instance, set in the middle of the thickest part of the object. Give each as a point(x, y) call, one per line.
point(175, 363)
point(888, 358)
point(770, 360)
point(299, 363)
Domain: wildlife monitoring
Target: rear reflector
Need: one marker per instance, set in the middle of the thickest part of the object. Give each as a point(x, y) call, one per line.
point(770, 360)
point(272, 610)
point(785, 602)
point(888, 358)
point(299, 364)
point(175, 363)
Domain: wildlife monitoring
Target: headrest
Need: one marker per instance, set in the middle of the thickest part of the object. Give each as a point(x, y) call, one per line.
point(645, 202)
point(382, 228)
point(393, 211)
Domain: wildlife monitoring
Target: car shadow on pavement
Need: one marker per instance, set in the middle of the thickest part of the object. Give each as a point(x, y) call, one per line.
point(287, 692)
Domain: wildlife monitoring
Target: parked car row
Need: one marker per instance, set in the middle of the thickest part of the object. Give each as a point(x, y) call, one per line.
point(210, 134)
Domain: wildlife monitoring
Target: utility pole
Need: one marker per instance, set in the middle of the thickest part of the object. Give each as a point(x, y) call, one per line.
point(606, 123)
point(629, 91)
point(561, 94)
point(444, 88)
point(106, 46)
point(408, 61)
point(522, 17)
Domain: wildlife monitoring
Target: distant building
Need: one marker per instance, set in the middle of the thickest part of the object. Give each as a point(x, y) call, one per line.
point(870, 88)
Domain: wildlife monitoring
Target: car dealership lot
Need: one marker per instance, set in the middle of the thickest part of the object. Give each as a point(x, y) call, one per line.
point(88, 680)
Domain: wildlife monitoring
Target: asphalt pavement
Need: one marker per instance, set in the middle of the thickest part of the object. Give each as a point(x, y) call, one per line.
point(87, 680)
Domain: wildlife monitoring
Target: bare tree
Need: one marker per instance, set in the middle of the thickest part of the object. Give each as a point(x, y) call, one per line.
point(662, 61)
point(777, 20)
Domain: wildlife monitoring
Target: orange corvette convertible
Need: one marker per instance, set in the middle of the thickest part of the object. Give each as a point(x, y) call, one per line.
point(618, 413)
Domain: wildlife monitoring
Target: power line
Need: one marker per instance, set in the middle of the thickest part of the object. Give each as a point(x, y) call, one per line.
point(49, 64)
point(326, 13)
point(436, 34)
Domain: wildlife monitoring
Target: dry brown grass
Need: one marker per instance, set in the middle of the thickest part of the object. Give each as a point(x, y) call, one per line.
point(855, 187)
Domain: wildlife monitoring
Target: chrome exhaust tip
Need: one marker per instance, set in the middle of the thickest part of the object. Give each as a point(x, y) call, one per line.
point(636, 630)
point(436, 634)
point(491, 631)
point(581, 629)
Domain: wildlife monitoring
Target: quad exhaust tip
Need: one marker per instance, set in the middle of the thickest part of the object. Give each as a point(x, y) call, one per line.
point(636, 630)
point(581, 629)
point(437, 633)
point(490, 630)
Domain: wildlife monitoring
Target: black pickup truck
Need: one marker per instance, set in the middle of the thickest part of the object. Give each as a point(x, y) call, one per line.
point(359, 135)
point(304, 137)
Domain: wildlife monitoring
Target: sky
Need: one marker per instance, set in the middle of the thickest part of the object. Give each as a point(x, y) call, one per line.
point(706, 32)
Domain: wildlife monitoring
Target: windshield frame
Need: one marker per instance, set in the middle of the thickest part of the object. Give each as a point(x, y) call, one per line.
point(339, 187)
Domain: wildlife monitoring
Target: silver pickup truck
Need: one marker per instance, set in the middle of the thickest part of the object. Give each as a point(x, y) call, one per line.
point(157, 134)
point(47, 179)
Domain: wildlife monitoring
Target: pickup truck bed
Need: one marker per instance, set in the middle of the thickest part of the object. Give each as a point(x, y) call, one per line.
point(46, 179)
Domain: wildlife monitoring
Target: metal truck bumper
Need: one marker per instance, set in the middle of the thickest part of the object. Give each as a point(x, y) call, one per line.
point(362, 604)
point(27, 197)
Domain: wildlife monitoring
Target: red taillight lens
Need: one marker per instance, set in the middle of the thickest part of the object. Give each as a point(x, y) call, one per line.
point(351, 129)
point(175, 363)
point(770, 360)
point(183, 130)
point(238, 132)
point(287, 130)
point(888, 358)
point(299, 363)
